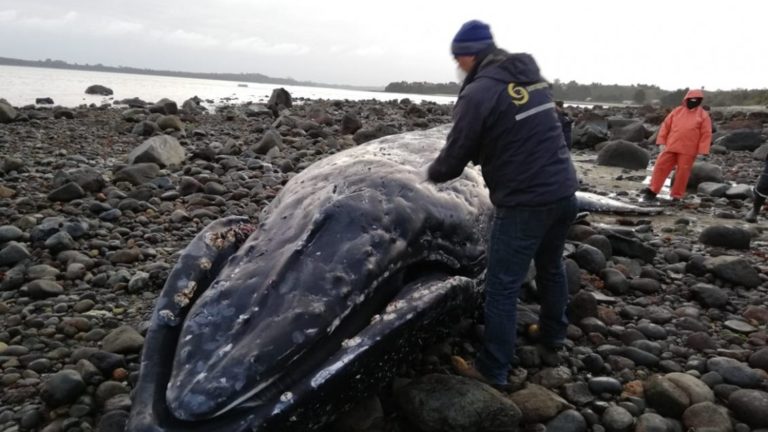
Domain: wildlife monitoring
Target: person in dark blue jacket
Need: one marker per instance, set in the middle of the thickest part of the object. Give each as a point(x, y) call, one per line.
point(505, 120)
point(566, 122)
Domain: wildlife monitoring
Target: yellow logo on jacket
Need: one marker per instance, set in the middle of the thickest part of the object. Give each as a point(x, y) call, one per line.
point(519, 94)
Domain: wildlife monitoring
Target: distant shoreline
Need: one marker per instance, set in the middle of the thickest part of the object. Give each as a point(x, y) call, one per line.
point(232, 77)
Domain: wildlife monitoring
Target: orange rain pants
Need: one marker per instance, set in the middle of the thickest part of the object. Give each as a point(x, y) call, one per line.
point(664, 164)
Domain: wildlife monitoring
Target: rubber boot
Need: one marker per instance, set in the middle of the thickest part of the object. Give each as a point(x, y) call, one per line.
point(648, 194)
point(757, 204)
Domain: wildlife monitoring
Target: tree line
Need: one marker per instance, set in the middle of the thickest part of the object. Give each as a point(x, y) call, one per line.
point(237, 77)
point(614, 93)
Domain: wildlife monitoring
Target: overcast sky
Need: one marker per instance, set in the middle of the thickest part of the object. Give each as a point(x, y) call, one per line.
point(671, 43)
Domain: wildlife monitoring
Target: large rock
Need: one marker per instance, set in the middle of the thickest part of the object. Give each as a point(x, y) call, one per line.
point(735, 372)
point(134, 102)
point(739, 191)
point(629, 247)
point(138, 174)
point(761, 153)
point(589, 258)
point(163, 150)
point(145, 128)
point(635, 132)
point(164, 106)
point(706, 416)
point(704, 172)
point(587, 136)
point(10, 233)
point(270, 140)
point(193, 106)
point(733, 269)
point(257, 110)
point(623, 154)
point(567, 421)
point(726, 236)
point(696, 390)
point(86, 177)
point(712, 189)
point(538, 404)
point(652, 422)
point(67, 192)
point(350, 124)
point(42, 288)
point(62, 388)
point(12, 253)
point(617, 419)
point(665, 397)
point(7, 112)
point(369, 134)
point(123, 340)
point(615, 281)
point(170, 122)
point(710, 295)
point(279, 100)
point(445, 403)
point(750, 406)
point(97, 89)
point(741, 140)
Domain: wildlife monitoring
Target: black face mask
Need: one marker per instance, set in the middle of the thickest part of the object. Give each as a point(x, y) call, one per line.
point(692, 103)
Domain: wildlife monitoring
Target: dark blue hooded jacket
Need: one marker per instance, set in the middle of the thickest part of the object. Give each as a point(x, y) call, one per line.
point(505, 120)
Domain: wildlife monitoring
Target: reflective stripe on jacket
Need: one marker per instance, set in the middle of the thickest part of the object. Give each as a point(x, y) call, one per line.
point(505, 120)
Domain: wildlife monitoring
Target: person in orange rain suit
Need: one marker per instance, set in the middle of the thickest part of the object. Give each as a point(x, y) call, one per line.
point(685, 133)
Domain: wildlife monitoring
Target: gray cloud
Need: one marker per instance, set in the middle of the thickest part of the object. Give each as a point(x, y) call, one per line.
point(673, 44)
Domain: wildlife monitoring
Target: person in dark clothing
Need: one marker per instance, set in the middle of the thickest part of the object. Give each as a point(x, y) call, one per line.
point(505, 120)
point(759, 194)
point(566, 122)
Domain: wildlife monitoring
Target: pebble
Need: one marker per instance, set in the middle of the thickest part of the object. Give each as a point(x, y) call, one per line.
point(617, 419)
point(62, 388)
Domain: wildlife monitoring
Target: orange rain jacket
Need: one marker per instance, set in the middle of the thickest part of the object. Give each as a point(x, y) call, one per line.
point(687, 131)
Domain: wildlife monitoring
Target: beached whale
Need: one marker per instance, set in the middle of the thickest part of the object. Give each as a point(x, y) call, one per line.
point(279, 326)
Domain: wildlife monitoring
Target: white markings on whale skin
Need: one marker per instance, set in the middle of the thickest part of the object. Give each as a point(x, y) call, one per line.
point(329, 371)
point(205, 263)
point(285, 400)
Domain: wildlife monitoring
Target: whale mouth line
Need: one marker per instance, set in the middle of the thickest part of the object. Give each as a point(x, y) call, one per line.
point(372, 308)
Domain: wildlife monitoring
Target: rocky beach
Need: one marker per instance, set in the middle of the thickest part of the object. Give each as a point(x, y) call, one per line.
point(668, 313)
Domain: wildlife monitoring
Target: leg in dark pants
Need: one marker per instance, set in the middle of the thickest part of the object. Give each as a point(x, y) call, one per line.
point(760, 193)
point(517, 236)
point(551, 281)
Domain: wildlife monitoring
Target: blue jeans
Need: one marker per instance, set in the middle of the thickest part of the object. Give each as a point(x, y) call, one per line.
point(518, 235)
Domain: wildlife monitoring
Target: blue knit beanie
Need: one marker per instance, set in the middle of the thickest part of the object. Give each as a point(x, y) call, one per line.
point(473, 37)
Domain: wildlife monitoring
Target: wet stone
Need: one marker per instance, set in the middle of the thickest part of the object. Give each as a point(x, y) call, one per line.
point(113, 421)
point(578, 393)
point(652, 422)
point(617, 419)
point(739, 326)
point(13, 253)
point(124, 339)
point(43, 288)
point(10, 233)
point(599, 385)
point(567, 421)
point(62, 388)
point(665, 397)
point(706, 416)
point(652, 331)
point(735, 372)
point(750, 406)
point(639, 356)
